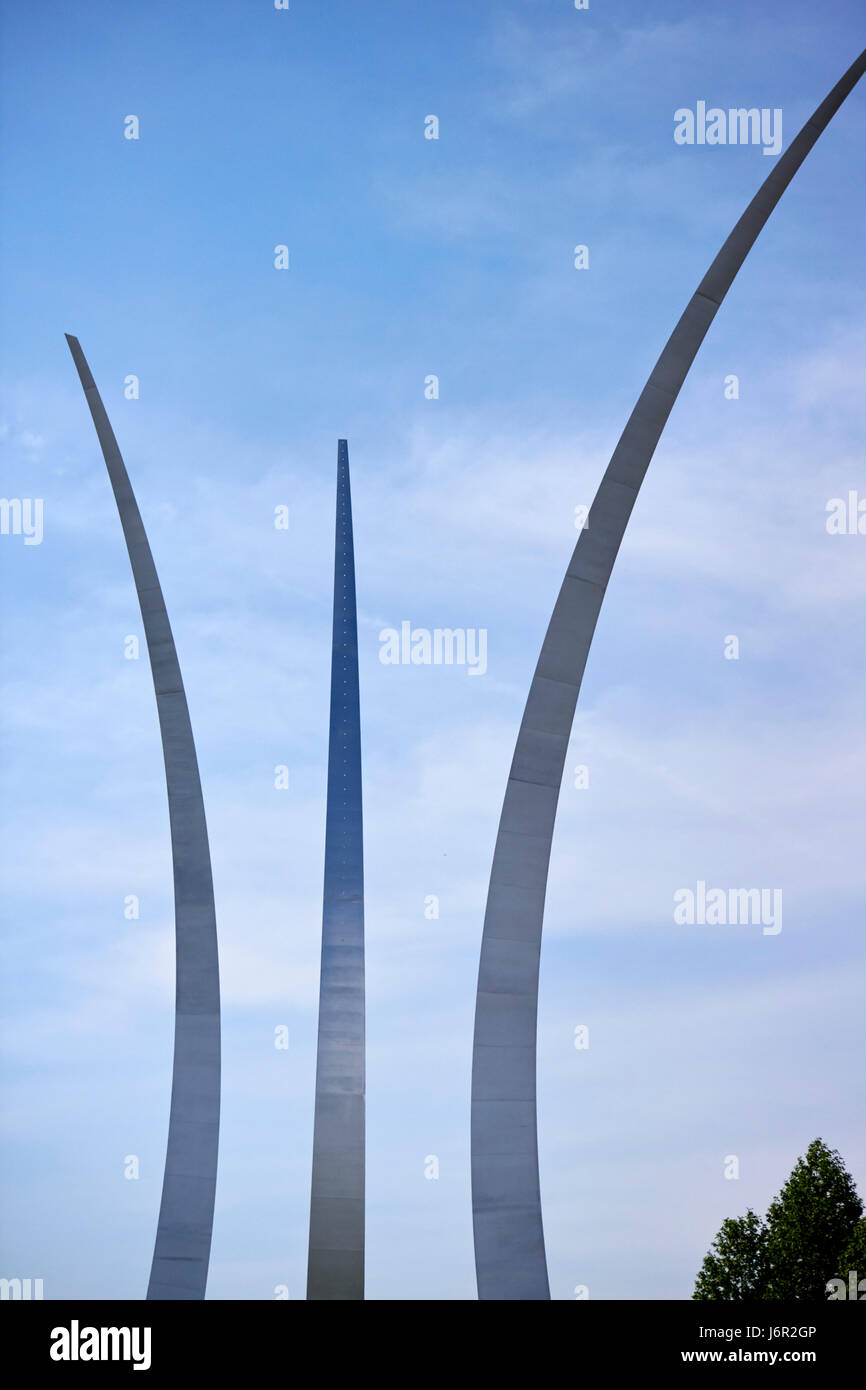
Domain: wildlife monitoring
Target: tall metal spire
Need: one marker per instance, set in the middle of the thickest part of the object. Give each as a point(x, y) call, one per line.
point(506, 1199)
point(336, 1255)
point(183, 1236)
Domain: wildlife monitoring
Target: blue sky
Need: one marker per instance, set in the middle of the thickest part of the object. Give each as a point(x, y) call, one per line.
point(412, 257)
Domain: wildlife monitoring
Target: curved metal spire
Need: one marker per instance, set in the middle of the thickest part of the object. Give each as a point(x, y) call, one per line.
point(183, 1234)
point(336, 1257)
point(506, 1199)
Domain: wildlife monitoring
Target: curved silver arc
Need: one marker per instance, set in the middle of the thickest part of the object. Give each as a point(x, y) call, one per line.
point(506, 1199)
point(183, 1238)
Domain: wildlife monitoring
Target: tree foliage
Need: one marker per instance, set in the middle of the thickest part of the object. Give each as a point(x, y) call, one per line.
point(813, 1228)
point(809, 1225)
point(853, 1257)
point(736, 1266)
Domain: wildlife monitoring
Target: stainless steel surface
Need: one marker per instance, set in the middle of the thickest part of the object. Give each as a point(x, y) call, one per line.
point(336, 1254)
point(183, 1236)
point(506, 1201)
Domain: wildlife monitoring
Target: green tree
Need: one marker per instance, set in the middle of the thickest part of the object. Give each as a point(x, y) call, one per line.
point(809, 1224)
point(853, 1258)
point(815, 1231)
point(736, 1267)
